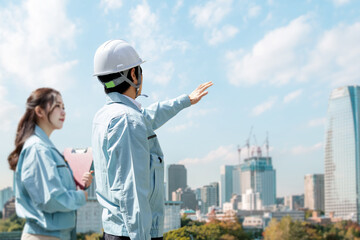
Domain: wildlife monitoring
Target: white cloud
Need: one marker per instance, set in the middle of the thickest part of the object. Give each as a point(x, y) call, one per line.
point(292, 96)
point(211, 13)
point(166, 69)
point(265, 106)
point(8, 112)
point(336, 57)
point(222, 155)
point(297, 52)
point(274, 59)
point(254, 11)
point(298, 150)
point(33, 37)
point(152, 43)
point(111, 5)
point(340, 2)
point(178, 5)
point(181, 127)
point(317, 122)
point(193, 113)
point(225, 33)
point(268, 18)
point(225, 154)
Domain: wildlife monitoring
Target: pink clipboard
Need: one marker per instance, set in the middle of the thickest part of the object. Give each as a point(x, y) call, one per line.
point(80, 161)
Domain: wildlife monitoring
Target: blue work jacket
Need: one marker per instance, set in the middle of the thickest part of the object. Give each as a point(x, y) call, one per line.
point(129, 165)
point(45, 191)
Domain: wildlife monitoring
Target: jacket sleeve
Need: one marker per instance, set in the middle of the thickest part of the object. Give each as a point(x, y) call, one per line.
point(40, 176)
point(160, 112)
point(129, 174)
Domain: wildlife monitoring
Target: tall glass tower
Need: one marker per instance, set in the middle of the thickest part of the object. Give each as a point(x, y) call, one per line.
point(342, 154)
point(259, 176)
point(226, 183)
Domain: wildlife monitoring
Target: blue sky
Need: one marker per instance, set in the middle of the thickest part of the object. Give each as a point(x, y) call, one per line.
point(273, 64)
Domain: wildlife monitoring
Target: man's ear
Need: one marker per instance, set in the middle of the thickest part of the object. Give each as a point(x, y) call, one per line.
point(133, 75)
point(40, 113)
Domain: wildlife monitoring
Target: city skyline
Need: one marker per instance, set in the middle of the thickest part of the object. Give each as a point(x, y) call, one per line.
point(273, 65)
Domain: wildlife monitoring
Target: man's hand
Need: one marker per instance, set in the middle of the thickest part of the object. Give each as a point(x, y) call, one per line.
point(199, 92)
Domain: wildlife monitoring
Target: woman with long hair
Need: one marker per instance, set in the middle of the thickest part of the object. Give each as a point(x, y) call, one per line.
point(45, 191)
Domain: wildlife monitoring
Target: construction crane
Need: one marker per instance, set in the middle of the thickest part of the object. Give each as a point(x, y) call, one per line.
point(239, 153)
point(267, 144)
point(248, 141)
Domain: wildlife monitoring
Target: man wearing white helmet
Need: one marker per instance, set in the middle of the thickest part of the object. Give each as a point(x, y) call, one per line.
point(128, 161)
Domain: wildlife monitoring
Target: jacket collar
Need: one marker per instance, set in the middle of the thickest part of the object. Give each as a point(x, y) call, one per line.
point(42, 135)
point(115, 97)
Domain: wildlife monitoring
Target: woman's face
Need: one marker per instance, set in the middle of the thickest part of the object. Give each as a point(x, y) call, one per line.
point(57, 116)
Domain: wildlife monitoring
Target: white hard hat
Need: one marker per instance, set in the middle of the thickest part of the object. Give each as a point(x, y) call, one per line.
point(115, 56)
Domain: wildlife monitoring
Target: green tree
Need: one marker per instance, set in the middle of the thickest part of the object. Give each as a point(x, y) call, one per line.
point(308, 213)
point(213, 230)
point(13, 223)
point(287, 229)
point(188, 222)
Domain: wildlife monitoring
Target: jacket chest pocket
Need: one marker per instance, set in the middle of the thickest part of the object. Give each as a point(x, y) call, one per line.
point(65, 176)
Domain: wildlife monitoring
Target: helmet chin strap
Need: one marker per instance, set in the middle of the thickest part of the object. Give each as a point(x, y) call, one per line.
point(117, 81)
point(139, 82)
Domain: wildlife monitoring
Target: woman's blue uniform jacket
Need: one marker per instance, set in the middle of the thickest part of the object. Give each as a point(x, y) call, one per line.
point(45, 192)
point(129, 165)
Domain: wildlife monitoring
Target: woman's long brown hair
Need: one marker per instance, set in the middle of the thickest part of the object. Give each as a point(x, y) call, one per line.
point(42, 97)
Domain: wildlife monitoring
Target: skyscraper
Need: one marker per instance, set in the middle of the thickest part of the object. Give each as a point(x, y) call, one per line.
point(236, 180)
point(258, 174)
point(226, 183)
point(5, 195)
point(294, 202)
point(216, 186)
point(208, 197)
point(177, 178)
point(186, 197)
point(342, 153)
point(314, 191)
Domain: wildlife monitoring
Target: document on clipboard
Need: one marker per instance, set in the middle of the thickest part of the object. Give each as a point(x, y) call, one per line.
point(80, 161)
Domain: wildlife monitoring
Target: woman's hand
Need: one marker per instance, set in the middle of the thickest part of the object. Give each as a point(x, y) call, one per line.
point(199, 92)
point(86, 195)
point(87, 178)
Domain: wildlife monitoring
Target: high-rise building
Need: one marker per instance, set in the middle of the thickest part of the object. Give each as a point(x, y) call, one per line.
point(217, 197)
point(177, 178)
point(258, 174)
point(5, 195)
point(226, 183)
point(187, 197)
point(251, 200)
point(314, 192)
point(9, 208)
point(172, 218)
point(294, 202)
point(208, 197)
point(237, 180)
point(342, 153)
